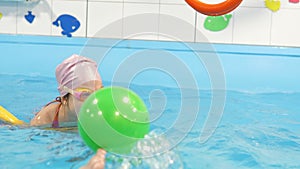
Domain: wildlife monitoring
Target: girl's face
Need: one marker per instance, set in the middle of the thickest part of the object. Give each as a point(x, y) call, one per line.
point(79, 95)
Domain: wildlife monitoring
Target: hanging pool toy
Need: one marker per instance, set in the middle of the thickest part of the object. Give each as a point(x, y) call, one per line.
point(273, 5)
point(68, 23)
point(214, 9)
point(217, 23)
point(29, 17)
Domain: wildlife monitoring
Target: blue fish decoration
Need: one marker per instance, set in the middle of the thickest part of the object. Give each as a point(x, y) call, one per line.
point(29, 17)
point(68, 23)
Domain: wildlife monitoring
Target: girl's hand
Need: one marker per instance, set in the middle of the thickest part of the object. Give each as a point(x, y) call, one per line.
point(97, 161)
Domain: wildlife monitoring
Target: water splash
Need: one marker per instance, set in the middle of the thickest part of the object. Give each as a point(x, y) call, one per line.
point(147, 155)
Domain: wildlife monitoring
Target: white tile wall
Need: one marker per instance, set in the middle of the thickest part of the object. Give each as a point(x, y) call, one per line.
point(9, 18)
point(253, 3)
point(143, 1)
point(41, 24)
point(252, 26)
point(76, 8)
point(138, 27)
point(286, 28)
point(183, 26)
point(287, 5)
point(284, 4)
point(104, 23)
point(172, 2)
point(252, 22)
point(106, 1)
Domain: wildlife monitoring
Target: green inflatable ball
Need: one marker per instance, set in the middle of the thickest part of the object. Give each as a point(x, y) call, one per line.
point(113, 118)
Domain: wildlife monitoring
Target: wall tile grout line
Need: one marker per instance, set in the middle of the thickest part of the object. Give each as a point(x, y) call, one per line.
point(123, 7)
point(270, 31)
point(195, 26)
point(233, 21)
point(17, 7)
point(51, 16)
point(86, 18)
point(158, 25)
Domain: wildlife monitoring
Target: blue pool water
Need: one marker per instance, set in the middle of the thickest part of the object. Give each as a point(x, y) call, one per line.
point(259, 128)
point(257, 131)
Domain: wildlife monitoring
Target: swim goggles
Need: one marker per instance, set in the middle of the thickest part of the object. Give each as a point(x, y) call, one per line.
point(79, 93)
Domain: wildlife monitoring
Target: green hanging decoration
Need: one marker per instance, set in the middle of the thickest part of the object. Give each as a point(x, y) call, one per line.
point(217, 23)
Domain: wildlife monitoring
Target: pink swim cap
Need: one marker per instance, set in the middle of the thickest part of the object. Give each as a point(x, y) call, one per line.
point(75, 71)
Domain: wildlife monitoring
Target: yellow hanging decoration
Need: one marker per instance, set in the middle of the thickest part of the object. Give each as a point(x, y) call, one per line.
point(273, 5)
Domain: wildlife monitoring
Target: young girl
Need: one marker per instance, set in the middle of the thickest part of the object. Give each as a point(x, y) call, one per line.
point(77, 78)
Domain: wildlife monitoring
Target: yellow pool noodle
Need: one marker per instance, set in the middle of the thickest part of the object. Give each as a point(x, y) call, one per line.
point(7, 117)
